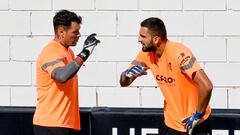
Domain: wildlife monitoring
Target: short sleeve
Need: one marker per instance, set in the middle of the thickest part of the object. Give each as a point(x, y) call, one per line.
point(140, 60)
point(51, 60)
point(187, 61)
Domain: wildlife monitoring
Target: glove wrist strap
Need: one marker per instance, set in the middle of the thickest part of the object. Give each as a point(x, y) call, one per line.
point(199, 115)
point(79, 59)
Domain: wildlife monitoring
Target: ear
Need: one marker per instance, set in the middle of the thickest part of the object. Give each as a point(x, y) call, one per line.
point(61, 32)
point(156, 39)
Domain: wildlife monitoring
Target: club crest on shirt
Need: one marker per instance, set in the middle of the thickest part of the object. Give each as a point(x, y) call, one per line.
point(170, 66)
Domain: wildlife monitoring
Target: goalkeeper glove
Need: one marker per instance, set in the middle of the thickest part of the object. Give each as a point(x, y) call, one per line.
point(84, 54)
point(135, 71)
point(91, 42)
point(192, 121)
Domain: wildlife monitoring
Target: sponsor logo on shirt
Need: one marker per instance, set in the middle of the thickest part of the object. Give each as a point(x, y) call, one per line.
point(165, 80)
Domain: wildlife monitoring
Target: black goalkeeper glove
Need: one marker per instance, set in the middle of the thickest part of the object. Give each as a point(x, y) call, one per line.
point(91, 42)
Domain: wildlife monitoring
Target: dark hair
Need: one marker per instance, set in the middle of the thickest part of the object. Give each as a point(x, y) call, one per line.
point(65, 18)
point(156, 27)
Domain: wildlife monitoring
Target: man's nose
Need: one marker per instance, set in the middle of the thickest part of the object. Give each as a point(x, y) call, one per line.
point(139, 39)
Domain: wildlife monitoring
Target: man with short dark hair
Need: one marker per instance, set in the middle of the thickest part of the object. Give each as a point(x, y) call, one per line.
point(184, 84)
point(57, 110)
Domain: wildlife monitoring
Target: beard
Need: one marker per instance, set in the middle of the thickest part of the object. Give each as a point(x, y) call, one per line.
point(149, 48)
point(72, 43)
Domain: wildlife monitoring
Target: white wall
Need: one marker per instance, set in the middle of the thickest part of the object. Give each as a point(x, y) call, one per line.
point(209, 27)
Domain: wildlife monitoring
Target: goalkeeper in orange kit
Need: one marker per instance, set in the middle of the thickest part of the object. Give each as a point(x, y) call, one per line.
point(57, 109)
point(185, 86)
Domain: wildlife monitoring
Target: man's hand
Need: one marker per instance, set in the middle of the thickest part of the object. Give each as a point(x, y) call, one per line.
point(91, 42)
point(135, 71)
point(190, 122)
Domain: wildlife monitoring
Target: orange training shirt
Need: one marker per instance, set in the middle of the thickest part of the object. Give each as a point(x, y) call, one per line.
point(173, 72)
point(57, 103)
